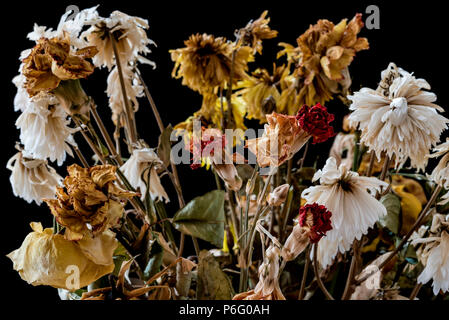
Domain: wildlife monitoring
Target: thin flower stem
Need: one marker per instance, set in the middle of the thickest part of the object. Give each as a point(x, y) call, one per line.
point(415, 291)
point(317, 274)
point(105, 134)
point(384, 172)
point(289, 170)
point(304, 155)
point(232, 205)
point(369, 170)
point(81, 157)
point(424, 214)
point(229, 91)
point(129, 119)
point(355, 161)
point(246, 253)
point(151, 101)
point(89, 141)
point(352, 269)
point(302, 289)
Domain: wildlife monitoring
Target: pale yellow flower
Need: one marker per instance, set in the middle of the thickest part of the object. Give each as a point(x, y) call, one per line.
point(49, 259)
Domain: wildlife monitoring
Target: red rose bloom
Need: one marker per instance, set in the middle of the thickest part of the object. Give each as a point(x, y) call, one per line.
point(317, 219)
point(315, 121)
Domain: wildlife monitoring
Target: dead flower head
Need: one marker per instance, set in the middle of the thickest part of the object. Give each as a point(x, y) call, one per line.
point(52, 61)
point(90, 203)
point(256, 31)
point(314, 222)
point(262, 91)
point(268, 286)
point(44, 258)
point(285, 135)
point(322, 58)
point(205, 62)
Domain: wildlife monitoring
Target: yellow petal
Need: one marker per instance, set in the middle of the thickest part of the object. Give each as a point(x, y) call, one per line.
point(49, 259)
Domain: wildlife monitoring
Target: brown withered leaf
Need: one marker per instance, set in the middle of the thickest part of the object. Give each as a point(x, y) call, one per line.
point(213, 283)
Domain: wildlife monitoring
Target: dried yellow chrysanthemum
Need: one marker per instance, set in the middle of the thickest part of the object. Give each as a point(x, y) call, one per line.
point(90, 204)
point(256, 31)
point(205, 63)
point(321, 60)
point(262, 91)
point(49, 259)
point(52, 61)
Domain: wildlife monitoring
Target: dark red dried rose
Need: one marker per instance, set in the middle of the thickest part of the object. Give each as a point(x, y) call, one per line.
point(315, 121)
point(317, 219)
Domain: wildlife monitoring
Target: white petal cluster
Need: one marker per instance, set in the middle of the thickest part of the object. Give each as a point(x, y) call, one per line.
point(67, 28)
point(44, 129)
point(44, 125)
point(31, 179)
point(440, 175)
point(131, 38)
point(351, 200)
point(137, 166)
point(437, 265)
point(399, 118)
point(114, 91)
point(132, 44)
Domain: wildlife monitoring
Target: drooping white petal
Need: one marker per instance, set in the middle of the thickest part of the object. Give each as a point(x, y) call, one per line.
point(137, 166)
point(437, 266)
point(114, 91)
point(31, 179)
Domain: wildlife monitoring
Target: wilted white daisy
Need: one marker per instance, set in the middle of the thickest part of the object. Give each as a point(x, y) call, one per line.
point(440, 175)
point(435, 254)
point(44, 129)
point(351, 200)
point(129, 34)
point(399, 118)
point(137, 165)
point(31, 179)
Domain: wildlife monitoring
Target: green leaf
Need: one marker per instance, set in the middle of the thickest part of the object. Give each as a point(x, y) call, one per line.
point(213, 283)
point(120, 255)
point(393, 205)
point(164, 147)
point(203, 217)
point(156, 253)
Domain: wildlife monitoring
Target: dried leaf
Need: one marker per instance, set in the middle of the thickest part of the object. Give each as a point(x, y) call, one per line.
point(213, 283)
point(393, 205)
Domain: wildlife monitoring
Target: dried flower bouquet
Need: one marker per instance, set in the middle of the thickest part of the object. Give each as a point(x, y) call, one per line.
point(278, 229)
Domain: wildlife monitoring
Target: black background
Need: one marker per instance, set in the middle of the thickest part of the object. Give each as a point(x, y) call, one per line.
point(414, 36)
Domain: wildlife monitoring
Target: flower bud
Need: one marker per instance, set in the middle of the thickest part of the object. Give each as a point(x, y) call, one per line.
point(278, 196)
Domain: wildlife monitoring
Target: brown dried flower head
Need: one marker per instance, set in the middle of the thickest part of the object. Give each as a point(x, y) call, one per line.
point(282, 138)
point(90, 203)
point(205, 62)
point(52, 61)
point(256, 31)
point(322, 57)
